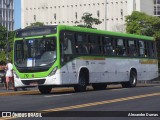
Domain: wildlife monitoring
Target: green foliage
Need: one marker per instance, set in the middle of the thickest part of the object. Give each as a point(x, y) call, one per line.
point(36, 24)
point(3, 44)
point(89, 21)
point(143, 24)
point(2, 37)
point(2, 57)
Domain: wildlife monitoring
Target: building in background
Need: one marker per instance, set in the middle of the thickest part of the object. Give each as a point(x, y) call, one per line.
point(157, 8)
point(111, 12)
point(7, 14)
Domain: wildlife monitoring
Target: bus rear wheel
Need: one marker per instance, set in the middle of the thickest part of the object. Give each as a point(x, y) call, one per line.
point(132, 80)
point(81, 87)
point(45, 89)
point(99, 86)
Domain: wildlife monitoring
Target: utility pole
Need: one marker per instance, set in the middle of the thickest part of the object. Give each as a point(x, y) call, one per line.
point(105, 19)
point(8, 2)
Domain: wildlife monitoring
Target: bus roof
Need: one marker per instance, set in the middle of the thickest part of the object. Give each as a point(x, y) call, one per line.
point(89, 30)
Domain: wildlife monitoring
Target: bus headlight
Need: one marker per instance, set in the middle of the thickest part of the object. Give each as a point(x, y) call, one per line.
point(53, 71)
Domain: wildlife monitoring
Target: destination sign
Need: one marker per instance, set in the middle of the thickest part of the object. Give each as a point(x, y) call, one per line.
point(36, 31)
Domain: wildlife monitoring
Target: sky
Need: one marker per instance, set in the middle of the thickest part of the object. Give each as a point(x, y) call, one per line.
point(17, 14)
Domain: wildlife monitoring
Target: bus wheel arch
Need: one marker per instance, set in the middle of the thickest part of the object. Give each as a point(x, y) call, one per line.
point(132, 79)
point(83, 80)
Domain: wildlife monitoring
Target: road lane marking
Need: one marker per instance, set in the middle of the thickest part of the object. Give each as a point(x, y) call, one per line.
point(99, 103)
point(94, 104)
point(57, 95)
point(119, 89)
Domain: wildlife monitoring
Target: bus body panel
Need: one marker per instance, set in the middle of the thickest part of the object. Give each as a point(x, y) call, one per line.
point(109, 70)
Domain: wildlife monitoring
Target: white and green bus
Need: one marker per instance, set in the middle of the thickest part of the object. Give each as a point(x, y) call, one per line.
point(59, 55)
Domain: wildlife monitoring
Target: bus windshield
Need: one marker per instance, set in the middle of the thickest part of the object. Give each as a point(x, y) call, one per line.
point(35, 52)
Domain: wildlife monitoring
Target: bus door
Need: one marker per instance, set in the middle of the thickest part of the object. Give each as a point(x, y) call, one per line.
point(67, 62)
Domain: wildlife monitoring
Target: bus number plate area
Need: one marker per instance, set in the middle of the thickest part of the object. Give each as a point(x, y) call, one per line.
point(34, 83)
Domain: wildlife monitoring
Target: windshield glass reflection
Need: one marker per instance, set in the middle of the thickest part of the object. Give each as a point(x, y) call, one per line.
point(35, 52)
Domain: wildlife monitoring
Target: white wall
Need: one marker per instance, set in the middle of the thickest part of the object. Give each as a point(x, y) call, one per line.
point(147, 7)
point(113, 11)
point(64, 9)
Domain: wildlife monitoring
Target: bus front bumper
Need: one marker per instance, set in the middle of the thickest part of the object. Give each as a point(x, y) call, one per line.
point(49, 80)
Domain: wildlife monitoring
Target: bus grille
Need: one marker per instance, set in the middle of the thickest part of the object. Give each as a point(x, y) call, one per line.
point(32, 82)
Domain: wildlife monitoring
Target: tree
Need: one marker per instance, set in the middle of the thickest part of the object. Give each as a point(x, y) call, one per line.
point(143, 24)
point(4, 48)
point(2, 44)
point(2, 37)
point(89, 21)
point(36, 24)
point(11, 41)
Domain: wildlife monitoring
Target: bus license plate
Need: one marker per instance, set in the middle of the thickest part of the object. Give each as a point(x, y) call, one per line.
point(34, 83)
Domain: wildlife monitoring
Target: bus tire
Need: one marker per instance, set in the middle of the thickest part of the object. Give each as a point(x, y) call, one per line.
point(15, 89)
point(99, 86)
point(45, 89)
point(132, 80)
point(81, 87)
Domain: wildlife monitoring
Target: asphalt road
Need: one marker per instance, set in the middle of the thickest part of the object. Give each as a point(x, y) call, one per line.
point(113, 103)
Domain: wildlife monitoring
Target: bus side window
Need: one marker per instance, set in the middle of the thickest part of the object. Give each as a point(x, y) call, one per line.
point(66, 46)
point(147, 52)
point(108, 46)
point(141, 49)
point(120, 47)
point(94, 44)
point(81, 44)
point(152, 50)
point(132, 48)
point(67, 43)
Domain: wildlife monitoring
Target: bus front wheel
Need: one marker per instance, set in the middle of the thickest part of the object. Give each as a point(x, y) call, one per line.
point(132, 80)
point(45, 89)
point(81, 87)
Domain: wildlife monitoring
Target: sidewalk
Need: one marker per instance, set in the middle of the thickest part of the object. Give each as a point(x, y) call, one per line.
point(3, 89)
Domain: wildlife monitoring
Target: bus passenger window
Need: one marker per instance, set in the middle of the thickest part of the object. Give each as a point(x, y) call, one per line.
point(108, 46)
point(120, 48)
point(152, 50)
point(67, 43)
point(94, 44)
point(141, 49)
point(131, 48)
point(82, 49)
point(81, 44)
point(67, 46)
point(94, 49)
